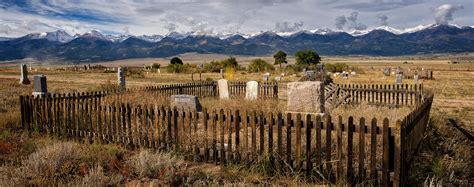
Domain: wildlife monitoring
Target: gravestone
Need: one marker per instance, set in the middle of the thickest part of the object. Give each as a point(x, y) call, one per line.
point(415, 79)
point(223, 89)
point(311, 75)
point(278, 78)
point(121, 78)
point(306, 97)
point(40, 87)
point(398, 71)
point(24, 75)
point(266, 76)
point(398, 79)
point(251, 91)
point(319, 67)
point(386, 71)
point(190, 102)
point(222, 73)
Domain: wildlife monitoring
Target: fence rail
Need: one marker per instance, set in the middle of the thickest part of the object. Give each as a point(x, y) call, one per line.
point(340, 149)
point(384, 94)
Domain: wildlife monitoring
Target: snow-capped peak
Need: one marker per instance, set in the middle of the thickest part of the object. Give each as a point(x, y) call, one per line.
point(59, 36)
point(94, 34)
point(152, 38)
point(322, 31)
point(117, 38)
point(417, 28)
point(389, 29)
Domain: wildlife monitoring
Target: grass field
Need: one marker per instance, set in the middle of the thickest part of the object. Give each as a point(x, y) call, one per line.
point(446, 151)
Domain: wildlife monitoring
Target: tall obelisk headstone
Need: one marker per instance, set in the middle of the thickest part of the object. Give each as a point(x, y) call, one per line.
point(121, 78)
point(24, 75)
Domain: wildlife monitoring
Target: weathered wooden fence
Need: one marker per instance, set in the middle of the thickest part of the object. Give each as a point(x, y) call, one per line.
point(265, 89)
point(329, 147)
point(384, 94)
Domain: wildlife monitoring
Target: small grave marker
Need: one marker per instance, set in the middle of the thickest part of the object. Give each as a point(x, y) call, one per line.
point(190, 102)
point(399, 79)
point(223, 89)
point(251, 91)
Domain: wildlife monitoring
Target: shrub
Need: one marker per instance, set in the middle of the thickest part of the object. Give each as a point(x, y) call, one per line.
point(213, 66)
point(337, 67)
point(178, 68)
point(155, 165)
point(259, 65)
point(176, 60)
point(156, 66)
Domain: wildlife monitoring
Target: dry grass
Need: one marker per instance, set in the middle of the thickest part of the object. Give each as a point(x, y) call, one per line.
point(445, 152)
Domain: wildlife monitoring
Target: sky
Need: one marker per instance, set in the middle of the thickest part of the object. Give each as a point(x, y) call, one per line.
point(139, 17)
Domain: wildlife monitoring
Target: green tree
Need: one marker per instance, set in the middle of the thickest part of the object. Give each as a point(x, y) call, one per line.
point(307, 57)
point(231, 62)
point(176, 60)
point(259, 65)
point(280, 58)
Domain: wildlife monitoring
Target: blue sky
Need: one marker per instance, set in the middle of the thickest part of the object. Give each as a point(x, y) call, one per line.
point(20, 17)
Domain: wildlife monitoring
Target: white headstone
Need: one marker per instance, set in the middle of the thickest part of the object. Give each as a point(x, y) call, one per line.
point(121, 78)
point(399, 79)
point(306, 96)
point(415, 79)
point(251, 91)
point(24, 75)
point(223, 89)
point(265, 77)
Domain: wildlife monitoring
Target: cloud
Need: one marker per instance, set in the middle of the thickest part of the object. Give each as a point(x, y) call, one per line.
point(382, 19)
point(444, 13)
point(353, 22)
point(288, 27)
point(375, 5)
point(340, 22)
point(171, 27)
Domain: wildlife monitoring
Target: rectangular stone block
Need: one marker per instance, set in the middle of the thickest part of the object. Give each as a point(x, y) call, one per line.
point(305, 97)
point(190, 102)
point(40, 83)
point(223, 89)
point(251, 91)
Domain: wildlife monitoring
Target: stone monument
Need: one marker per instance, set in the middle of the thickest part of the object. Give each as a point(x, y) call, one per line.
point(24, 75)
point(190, 102)
point(121, 78)
point(251, 91)
point(223, 89)
point(41, 88)
point(266, 76)
point(386, 71)
point(398, 79)
point(307, 97)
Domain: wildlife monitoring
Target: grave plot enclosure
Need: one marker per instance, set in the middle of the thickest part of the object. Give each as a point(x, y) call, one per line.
point(330, 148)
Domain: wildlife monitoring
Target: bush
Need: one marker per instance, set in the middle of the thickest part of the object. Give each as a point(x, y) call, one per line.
point(213, 66)
point(337, 67)
point(178, 68)
point(259, 65)
point(176, 60)
point(155, 165)
point(216, 66)
point(156, 66)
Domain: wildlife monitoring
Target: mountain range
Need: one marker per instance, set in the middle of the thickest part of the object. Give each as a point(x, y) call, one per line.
point(95, 46)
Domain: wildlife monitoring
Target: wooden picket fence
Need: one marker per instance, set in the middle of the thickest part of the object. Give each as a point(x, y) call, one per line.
point(331, 148)
point(265, 89)
point(391, 95)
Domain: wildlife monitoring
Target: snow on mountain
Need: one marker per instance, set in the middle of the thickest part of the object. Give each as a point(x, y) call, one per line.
point(151, 38)
point(117, 38)
point(322, 31)
point(58, 36)
point(389, 29)
point(176, 35)
point(94, 34)
point(417, 28)
point(4, 39)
